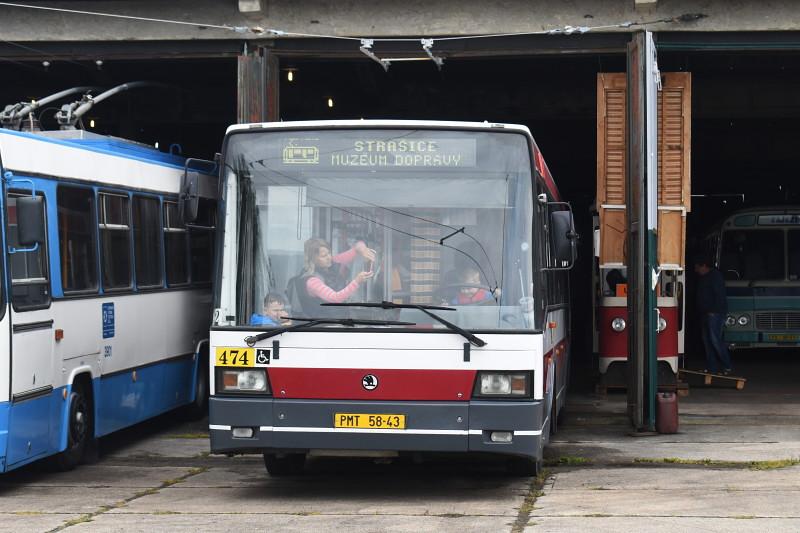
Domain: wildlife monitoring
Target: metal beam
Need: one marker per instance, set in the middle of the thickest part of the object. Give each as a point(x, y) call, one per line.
point(251, 82)
point(258, 81)
point(641, 190)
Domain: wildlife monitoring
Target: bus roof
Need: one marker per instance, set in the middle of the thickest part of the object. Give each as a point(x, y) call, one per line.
point(766, 216)
point(102, 143)
point(379, 123)
point(424, 124)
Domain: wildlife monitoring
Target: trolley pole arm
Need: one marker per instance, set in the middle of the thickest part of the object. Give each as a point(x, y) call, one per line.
point(13, 115)
point(70, 114)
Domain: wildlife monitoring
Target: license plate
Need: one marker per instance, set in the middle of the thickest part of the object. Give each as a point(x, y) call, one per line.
point(241, 357)
point(369, 421)
point(783, 338)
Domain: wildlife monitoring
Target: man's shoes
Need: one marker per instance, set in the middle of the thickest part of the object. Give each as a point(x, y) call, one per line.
point(727, 372)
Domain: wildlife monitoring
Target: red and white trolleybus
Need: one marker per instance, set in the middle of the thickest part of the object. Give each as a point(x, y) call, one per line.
point(388, 287)
point(611, 321)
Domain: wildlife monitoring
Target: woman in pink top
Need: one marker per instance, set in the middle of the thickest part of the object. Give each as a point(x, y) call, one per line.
point(325, 275)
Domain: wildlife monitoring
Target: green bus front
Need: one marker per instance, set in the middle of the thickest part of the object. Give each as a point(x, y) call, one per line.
point(759, 254)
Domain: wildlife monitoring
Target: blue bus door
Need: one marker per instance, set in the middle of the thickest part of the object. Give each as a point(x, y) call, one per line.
point(34, 404)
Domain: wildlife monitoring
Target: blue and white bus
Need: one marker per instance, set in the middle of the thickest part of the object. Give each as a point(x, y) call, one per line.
point(758, 251)
point(105, 294)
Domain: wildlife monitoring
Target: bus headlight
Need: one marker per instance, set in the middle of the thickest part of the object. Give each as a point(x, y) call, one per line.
point(503, 384)
point(743, 320)
point(618, 324)
point(730, 321)
point(662, 324)
point(236, 380)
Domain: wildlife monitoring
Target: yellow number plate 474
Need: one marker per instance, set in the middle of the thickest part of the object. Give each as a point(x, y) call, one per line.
point(242, 357)
point(369, 421)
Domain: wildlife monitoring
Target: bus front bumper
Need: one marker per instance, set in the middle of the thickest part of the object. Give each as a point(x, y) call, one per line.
point(282, 426)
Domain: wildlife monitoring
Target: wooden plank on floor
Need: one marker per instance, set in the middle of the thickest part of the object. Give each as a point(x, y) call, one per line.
point(710, 379)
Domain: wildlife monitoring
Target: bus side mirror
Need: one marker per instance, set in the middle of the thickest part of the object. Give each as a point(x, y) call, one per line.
point(189, 199)
point(563, 239)
point(30, 221)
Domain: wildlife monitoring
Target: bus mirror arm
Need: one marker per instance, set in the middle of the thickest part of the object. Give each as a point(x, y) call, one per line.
point(734, 272)
point(563, 237)
point(189, 201)
point(30, 213)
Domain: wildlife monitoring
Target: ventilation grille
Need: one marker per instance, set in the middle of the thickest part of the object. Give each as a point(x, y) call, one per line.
point(778, 320)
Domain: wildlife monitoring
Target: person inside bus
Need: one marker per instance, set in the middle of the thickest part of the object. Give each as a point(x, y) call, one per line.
point(273, 312)
point(324, 277)
point(712, 308)
point(469, 290)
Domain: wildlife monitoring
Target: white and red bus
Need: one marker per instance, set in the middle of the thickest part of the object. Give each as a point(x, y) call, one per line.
point(420, 273)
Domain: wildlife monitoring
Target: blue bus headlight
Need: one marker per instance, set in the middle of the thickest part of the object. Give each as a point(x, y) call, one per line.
point(743, 320)
point(730, 321)
point(243, 380)
point(503, 384)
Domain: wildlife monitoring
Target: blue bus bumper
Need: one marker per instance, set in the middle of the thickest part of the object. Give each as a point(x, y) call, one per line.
point(3, 435)
point(302, 425)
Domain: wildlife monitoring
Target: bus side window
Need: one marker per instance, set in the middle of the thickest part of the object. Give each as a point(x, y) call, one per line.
point(30, 283)
point(147, 242)
point(201, 244)
point(176, 244)
point(77, 237)
point(115, 240)
point(793, 247)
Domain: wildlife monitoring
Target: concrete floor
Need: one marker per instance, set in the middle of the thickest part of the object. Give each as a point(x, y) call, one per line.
point(159, 477)
point(696, 480)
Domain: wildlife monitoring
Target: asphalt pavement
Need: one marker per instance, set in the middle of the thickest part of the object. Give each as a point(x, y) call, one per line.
point(732, 466)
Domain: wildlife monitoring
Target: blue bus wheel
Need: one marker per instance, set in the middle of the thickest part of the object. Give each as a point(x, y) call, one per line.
point(79, 424)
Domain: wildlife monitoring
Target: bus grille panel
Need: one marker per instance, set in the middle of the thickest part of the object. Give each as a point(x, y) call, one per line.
point(780, 320)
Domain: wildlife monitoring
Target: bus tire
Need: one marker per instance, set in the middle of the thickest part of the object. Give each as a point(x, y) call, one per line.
point(290, 464)
point(554, 410)
point(79, 429)
point(199, 407)
point(550, 407)
point(524, 466)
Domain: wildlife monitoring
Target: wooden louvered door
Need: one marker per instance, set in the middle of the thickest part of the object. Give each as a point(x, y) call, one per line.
point(674, 172)
point(674, 179)
point(611, 162)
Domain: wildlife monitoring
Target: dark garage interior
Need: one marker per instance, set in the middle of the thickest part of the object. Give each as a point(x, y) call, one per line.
point(744, 109)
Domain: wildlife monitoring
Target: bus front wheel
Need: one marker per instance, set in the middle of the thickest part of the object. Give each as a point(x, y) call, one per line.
point(79, 425)
point(524, 466)
point(290, 464)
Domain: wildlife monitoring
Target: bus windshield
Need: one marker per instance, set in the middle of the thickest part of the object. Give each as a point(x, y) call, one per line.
point(428, 216)
point(753, 254)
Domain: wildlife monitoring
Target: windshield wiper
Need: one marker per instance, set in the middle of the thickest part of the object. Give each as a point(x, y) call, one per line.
point(475, 341)
point(310, 322)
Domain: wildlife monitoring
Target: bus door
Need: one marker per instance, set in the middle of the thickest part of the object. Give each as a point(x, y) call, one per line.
point(32, 333)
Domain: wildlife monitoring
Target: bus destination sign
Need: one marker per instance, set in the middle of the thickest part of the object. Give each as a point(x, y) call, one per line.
point(454, 153)
point(785, 219)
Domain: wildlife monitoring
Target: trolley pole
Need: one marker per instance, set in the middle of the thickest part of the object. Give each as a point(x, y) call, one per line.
point(642, 200)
